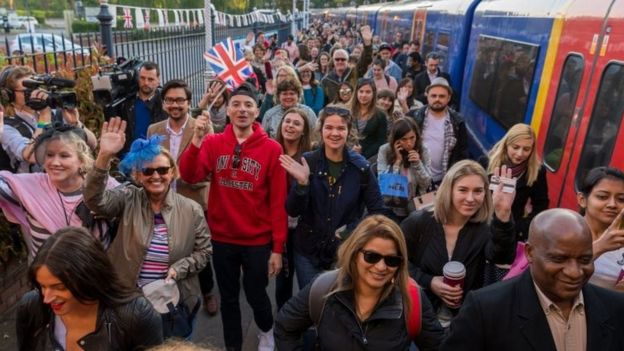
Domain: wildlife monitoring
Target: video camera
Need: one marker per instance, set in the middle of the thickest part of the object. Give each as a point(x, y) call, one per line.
point(59, 90)
point(115, 84)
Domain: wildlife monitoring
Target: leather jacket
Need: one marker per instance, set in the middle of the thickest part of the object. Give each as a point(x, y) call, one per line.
point(132, 326)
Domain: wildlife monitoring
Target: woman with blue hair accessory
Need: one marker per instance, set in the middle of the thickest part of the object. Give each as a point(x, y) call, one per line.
point(161, 235)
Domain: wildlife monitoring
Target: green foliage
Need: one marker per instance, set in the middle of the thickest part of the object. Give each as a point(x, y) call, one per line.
point(79, 26)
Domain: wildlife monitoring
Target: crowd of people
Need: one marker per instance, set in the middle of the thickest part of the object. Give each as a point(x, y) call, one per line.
point(342, 162)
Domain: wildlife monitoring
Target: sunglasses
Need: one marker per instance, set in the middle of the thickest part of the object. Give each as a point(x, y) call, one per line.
point(339, 59)
point(373, 257)
point(335, 110)
point(236, 158)
point(345, 91)
point(160, 170)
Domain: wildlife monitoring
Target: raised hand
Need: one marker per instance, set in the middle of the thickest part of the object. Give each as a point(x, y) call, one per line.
point(270, 87)
point(413, 156)
point(299, 171)
point(367, 35)
point(203, 127)
point(502, 200)
point(71, 116)
point(112, 137)
point(612, 238)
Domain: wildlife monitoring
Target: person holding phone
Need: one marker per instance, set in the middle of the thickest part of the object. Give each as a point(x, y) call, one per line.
point(406, 156)
point(215, 101)
point(601, 199)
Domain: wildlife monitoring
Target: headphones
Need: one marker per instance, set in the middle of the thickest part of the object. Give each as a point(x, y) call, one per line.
point(7, 95)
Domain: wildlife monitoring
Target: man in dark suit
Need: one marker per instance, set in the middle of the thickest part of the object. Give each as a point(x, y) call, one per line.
point(424, 78)
point(549, 307)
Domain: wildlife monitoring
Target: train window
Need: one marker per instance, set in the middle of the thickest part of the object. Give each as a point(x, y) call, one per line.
point(502, 78)
point(605, 122)
point(563, 110)
point(442, 48)
point(427, 44)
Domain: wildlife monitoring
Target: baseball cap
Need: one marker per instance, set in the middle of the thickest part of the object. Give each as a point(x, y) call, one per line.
point(385, 46)
point(439, 82)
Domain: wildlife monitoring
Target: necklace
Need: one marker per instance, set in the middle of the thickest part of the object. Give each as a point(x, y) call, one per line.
point(69, 216)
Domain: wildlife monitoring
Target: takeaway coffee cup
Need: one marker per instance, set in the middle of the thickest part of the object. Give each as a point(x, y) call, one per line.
point(454, 273)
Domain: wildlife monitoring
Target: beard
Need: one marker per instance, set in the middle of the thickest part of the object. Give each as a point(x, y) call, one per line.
point(437, 107)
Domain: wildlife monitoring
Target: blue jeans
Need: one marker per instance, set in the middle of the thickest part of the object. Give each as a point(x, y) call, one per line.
point(306, 269)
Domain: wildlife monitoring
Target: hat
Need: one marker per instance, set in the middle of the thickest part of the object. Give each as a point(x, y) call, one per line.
point(248, 90)
point(439, 82)
point(53, 131)
point(160, 293)
point(385, 46)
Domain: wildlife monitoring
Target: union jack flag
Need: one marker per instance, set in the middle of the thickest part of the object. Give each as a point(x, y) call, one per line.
point(228, 62)
point(127, 18)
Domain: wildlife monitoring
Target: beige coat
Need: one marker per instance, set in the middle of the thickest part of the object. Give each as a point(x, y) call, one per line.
point(189, 237)
point(197, 192)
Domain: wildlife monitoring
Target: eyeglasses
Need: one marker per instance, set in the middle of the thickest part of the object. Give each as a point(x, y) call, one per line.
point(179, 101)
point(160, 170)
point(345, 91)
point(340, 59)
point(373, 257)
point(335, 110)
point(236, 158)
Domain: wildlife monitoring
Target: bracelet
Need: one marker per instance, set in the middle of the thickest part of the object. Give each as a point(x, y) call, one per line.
point(42, 125)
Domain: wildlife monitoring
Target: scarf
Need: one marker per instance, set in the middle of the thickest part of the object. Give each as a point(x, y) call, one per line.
point(516, 170)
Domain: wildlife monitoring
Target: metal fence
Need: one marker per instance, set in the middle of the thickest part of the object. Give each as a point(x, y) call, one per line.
point(177, 49)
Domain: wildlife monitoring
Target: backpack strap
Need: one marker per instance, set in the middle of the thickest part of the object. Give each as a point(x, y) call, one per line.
point(319, 289)
point(387, 79)
point(414, 323)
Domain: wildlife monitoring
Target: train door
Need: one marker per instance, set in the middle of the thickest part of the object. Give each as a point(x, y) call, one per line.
point(586, 117)
point(418, 25)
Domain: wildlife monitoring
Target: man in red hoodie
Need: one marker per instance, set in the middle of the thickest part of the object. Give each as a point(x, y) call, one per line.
point(246, 215)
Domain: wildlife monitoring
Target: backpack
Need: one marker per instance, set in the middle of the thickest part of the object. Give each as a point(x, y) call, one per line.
point(322, 285)
point(25, 130)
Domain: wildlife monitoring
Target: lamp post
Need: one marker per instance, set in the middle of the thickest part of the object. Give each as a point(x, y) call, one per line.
point(106, 28)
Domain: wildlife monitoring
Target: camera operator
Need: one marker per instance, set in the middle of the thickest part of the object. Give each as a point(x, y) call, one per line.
point(23, 123)
point(144, 107)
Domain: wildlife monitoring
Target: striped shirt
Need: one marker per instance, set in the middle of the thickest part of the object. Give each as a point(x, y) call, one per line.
point(156, 262)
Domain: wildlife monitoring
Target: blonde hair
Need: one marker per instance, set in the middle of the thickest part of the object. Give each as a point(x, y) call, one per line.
point(289, 70)
point(180, 345)
point(444, 196)
point(375, 226)
point(83, 151)
point(498, 155)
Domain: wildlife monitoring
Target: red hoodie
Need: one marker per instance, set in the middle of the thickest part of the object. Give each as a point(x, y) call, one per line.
point(246, 204)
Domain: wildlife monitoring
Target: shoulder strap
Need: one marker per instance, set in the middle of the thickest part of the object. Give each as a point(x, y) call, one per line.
point(318, 291)
point(414, 323)
point(22, 127)
point(387, 79)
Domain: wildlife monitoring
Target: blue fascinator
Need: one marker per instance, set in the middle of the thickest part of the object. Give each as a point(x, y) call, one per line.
point(142, 151)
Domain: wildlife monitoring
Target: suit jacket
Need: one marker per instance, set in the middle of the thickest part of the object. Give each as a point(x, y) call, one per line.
point(422, 81)
point(197, 192)
point(508, 316)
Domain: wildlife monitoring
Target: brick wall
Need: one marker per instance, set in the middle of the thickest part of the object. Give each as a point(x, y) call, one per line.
point(13, 283)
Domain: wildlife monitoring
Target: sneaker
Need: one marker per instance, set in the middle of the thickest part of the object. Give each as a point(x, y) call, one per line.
point(266, 342)
point(211, 304)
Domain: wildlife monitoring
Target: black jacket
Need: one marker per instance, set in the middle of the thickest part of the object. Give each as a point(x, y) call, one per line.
point(460, 150)
point(422, 81)
point(126, 112)
point(538, 193)
point(323, 208)
point(340, 329)
point(508, 316)
point(133, 326)
point(476, 242)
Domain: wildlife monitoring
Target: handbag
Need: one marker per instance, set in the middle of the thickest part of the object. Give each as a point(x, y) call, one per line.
point(177, 318)
point(394, 188)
